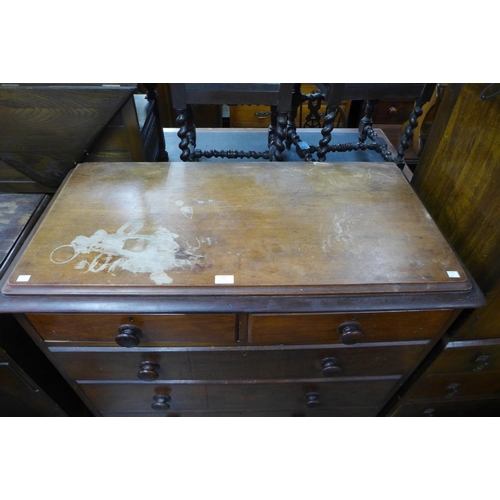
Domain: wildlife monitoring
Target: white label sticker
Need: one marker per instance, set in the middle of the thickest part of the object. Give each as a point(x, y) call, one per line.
point(224, 279)
point(453, 274)
point(24, 277)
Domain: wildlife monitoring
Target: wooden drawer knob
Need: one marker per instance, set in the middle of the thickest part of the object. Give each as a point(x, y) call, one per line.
point(128, 336)
point(161, 402)
point(350, 332)
point(482, 361)
point(330, 367)
point(312, 400)
point(148, 370)
point(452, 389)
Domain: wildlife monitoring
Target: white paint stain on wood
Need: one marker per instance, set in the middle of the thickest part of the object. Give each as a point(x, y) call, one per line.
point(129, 250)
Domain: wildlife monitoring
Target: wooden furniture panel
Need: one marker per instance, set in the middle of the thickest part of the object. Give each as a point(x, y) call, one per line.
point(345, 328)
point(244, 363)
point(299, 396)
point(135, 134)
point(456, 386)
point(129, 397)
point(457, 181)
point(154, 330)
point(483, 323)
point(465, 357)
point(18, 214)
point(20, 396)
point(484, 407)
point(465, 210)
point(47, 129)
point(29, 384)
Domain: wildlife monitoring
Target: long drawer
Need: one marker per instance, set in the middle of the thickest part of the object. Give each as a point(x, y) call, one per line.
point(246, 363)
point(119, 397)
point(143, 330)
point(345, 328)
point(319, 412)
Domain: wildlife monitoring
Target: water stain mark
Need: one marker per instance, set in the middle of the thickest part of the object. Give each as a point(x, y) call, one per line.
point(129, 251)
point(7, 208)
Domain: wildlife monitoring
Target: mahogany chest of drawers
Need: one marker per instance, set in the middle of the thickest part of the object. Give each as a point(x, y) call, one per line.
point(235, 288)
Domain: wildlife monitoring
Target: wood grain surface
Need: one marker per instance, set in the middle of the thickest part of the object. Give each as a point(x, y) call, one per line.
point(15, 211)
point(127, 228)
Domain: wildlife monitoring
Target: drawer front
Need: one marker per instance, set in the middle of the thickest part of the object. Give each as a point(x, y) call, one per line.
point(122, 397)
point(330, 412)
point(250, 116)
point(455, 386)
point(142, 397)
point(19, 397)
point(467, 357)
point(235, 363)
point(345, 328)
point(465, 408)
point(393, 111)
point(148, 330)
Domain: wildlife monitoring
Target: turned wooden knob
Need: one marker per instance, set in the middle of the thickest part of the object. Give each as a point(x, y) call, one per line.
point(392, 111)
point(312, 400)
point(330, 367)
point(128, 336)
point(350, 333)
point(452, 389)
point(148, 370)
point(161, 402)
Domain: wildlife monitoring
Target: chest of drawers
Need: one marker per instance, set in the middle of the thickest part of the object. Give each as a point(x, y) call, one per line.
point(237, 288)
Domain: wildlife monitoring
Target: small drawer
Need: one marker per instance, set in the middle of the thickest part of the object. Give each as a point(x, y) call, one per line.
point(455, 386)
point(237, 363)
point(133, 331)
point(393, 111)
point(468, 357)
point(345, 328)
point(250, 116)
point(489, 407)
point(294, 397)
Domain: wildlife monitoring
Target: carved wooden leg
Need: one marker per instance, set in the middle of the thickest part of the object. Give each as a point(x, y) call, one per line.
point(152, 97)
point(279, 143)
point(367, 121)
point(291, 125)
point(326, 132)
point(183, 134)
point(404, 144)
point(271, 131)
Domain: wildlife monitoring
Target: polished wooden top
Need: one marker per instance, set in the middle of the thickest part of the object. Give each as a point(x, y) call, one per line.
point(236, 228)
